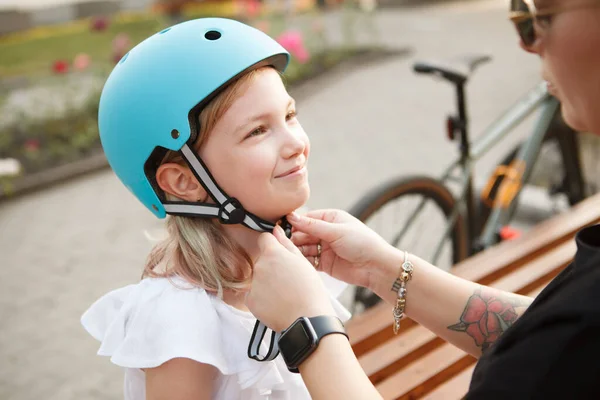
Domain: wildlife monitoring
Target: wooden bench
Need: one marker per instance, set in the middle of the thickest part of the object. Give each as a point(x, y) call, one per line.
point(418, 364)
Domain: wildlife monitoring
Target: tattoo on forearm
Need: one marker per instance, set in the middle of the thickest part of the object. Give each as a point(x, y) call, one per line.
point(487, 315)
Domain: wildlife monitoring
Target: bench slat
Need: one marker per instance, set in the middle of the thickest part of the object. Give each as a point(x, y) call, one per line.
point(398, 352)
point(437, 367)
point(542, 269)
point(372, 327)
point(455, 388)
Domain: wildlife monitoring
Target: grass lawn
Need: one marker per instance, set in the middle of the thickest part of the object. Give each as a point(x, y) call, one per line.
point(35, 56)
point(32, 53)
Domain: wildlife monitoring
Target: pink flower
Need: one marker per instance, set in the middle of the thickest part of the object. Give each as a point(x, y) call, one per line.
point(60, 67)
point(32, 145)
point(120, 46)
point(121, 42)
point(252, 8)
point(292, 41)
point(99, 24)
point(81, 62)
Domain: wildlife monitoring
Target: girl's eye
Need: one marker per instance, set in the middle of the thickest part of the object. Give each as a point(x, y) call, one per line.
point(258, 131)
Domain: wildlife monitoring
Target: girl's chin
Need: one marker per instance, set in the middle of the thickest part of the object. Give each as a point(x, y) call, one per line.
point(283, 211)
point(274, 208)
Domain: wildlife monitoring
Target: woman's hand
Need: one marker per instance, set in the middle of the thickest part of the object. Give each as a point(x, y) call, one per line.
point(285, 286)
point(350, 251)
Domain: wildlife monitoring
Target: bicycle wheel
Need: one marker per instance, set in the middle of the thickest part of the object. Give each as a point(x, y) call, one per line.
point(426, 209)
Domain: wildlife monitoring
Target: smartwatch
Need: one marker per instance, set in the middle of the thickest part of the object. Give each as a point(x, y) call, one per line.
point(301, 339)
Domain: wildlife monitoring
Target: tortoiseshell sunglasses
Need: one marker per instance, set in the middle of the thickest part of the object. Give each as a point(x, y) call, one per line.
point(527, 18)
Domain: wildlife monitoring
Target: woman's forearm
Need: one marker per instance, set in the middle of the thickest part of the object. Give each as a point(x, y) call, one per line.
point(334, 369)
point(466, 314)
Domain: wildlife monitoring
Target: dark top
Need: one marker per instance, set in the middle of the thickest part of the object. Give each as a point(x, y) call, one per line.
point(553, 350)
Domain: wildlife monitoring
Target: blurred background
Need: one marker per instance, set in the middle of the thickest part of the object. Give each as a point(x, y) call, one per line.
point(70, 232)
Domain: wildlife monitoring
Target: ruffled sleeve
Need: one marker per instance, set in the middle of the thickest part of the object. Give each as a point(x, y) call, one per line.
point(147, 324)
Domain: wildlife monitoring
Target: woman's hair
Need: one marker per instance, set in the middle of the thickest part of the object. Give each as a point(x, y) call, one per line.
point(198, 249)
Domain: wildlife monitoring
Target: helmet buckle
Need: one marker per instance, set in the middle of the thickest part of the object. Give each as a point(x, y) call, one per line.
point(235, 216)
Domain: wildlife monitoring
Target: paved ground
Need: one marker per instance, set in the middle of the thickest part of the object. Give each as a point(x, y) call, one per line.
point(64, 247)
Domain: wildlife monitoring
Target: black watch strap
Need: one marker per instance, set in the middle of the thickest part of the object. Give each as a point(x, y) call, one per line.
point(327, 324)
point(297, 348)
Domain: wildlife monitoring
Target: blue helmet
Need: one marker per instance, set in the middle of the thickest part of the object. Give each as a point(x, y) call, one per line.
point(152, 98)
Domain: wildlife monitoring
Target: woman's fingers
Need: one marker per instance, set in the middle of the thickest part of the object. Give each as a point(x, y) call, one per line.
point(309, 250)
point(328, 215)
point(307, 244)
point(301, 238)
point(321, 229)
point(287, 243)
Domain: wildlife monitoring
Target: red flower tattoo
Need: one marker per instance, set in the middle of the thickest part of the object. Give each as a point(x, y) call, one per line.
point(486, 317)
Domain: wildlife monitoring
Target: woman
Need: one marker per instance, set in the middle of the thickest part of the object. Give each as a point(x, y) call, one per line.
point(547, 348)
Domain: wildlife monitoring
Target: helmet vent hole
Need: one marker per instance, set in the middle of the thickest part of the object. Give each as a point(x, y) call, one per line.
point(164, 31)
point(175, 134)
point(124, 58)
point(154, 207)
point(212, 35)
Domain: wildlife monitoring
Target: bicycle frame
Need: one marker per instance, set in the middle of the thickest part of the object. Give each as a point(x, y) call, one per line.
point(518, 173)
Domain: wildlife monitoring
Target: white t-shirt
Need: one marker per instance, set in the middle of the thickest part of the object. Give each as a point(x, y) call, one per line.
point(146, 324)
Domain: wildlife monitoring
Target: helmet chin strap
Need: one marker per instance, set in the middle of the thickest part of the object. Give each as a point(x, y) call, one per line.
point(229, 211)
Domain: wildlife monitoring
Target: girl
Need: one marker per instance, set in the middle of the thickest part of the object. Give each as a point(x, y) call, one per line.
point(196, 122)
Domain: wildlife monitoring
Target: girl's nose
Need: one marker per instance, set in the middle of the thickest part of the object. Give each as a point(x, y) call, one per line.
point(295, 142)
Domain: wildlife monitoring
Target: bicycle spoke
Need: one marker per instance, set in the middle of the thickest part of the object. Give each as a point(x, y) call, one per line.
point(414, 215)
point(449, 227)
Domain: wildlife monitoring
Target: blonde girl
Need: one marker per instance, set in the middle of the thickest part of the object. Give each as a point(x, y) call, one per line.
point(197, 124)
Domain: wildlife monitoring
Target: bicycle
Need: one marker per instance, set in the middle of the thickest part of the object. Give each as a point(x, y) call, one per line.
point(472, 224)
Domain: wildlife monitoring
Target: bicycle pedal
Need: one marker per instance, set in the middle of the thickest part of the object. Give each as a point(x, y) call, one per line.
point(509, 233)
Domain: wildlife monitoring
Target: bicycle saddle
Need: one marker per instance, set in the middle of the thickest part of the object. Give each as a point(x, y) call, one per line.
point(457, 70)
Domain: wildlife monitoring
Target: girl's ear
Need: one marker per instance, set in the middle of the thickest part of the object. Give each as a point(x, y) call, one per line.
point(179, 181)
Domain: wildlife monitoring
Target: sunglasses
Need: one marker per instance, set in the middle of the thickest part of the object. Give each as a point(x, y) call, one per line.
point(528, 19)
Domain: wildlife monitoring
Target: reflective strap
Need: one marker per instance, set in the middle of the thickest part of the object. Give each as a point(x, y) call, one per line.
point(260, 329)
point(254, 346)
point(259, 225)
point(204, 176)
point(212, 210)
point(178, 208)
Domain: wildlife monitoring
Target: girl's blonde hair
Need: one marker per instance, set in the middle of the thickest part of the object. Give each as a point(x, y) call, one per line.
point(198, 249)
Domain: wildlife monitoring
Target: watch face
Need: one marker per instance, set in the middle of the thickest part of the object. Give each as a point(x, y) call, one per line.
point(296, 343)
